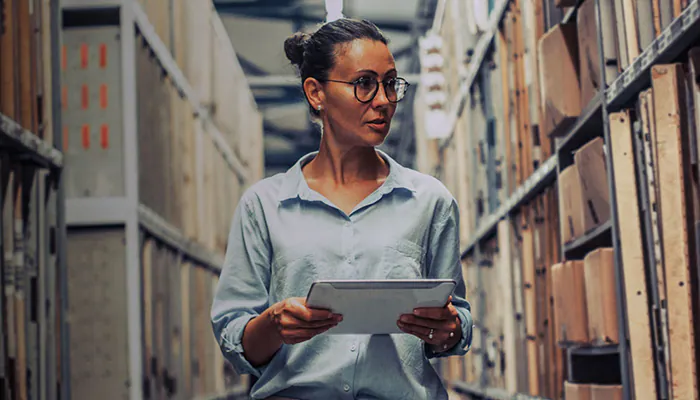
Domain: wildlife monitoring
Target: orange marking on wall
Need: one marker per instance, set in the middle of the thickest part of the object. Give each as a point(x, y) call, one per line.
point(65, 138)
point(104, 136)
point(103, 96)
point(85, 97)
point(86, 136)
point(84, 56)
point(103, 56)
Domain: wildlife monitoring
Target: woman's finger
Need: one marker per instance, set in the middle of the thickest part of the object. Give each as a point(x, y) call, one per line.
point(289, 321)
point(423, 333)
point(445, 325)
point(436, 313)
point(297, 307)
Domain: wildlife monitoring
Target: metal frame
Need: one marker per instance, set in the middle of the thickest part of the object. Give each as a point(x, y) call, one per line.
point(580, 244)
point(623, 346)
point(480, 50)
point(131, 173)
point(650, 259)
point(165, 232)
point(90, 4)
point(541, 178)
point(28, 144)
point(98, 211)
point(180, 82)
point(672, 42)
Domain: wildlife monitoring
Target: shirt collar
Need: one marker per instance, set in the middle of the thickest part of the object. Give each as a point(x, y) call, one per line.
point(295, 185)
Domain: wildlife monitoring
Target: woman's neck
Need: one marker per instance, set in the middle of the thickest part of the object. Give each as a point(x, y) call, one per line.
point(343, 165)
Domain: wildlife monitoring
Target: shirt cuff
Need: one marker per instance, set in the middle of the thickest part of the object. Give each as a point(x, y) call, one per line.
point(464, 344)
point(232, 347)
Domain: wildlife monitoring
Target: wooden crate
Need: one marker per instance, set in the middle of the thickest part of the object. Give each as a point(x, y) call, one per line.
point(570, 302)
point(601, 297)
point(589, 55)
point(592, 172)
point(25, 68)
point(560, 76)
point(571, 204)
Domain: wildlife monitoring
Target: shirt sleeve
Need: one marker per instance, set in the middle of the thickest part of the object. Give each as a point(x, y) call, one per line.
point(444, 263)
point(242, 291)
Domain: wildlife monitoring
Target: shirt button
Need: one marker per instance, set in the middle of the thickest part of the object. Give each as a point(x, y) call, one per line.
point(346, 387)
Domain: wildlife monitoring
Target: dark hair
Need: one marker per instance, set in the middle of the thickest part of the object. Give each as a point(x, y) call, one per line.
point(314, 54)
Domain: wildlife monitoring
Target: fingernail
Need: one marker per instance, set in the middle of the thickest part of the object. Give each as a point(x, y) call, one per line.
point(339, 318)
point(403, 318)
point(418, 312)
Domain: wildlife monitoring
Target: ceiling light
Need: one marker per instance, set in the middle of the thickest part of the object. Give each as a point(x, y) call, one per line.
point(334, 10)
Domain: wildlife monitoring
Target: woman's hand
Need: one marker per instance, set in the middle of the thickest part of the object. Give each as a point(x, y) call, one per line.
point(295, 323)
point(438, 326)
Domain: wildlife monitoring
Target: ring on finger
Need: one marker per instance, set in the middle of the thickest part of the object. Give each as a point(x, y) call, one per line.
point(430, 335)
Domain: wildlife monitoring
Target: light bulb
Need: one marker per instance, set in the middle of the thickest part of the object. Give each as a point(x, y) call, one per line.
point(334, 10)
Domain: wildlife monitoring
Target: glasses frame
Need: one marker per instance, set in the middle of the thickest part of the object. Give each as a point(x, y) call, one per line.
point(376, 90)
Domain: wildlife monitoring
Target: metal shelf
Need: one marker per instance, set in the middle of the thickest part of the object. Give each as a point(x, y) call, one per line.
point(161, 229)
point(28, 145)
point(590, 120)
point(666, 48)
point(545, 175)
point(572, 12)
point(488, 392)
point(594, 350)
point(183, 86)
point(482, 45)
point(598, 237)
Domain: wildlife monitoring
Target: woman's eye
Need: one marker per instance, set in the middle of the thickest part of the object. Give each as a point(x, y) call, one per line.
point(365, 83)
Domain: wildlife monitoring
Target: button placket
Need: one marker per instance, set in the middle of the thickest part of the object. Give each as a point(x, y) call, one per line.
point(348, 242)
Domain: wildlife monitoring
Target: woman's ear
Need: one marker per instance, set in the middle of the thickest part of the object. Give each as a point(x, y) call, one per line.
point(314, 92)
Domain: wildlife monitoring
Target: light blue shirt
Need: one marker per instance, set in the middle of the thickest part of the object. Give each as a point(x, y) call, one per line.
point(285, 235)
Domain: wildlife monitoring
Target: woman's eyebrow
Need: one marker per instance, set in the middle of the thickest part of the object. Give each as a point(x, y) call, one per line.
point(393, 70)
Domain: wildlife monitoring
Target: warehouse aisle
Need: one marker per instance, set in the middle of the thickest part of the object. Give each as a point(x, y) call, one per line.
point(567, 131)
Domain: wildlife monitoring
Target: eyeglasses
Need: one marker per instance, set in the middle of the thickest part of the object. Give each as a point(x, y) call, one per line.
point(366, 88)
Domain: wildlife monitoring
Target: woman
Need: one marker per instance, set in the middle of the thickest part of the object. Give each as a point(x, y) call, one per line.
point(347, 211)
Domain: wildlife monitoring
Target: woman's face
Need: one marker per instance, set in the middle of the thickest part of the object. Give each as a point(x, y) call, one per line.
point(354, 123)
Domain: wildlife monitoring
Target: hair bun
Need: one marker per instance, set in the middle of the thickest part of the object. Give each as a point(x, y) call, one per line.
point(294, 48)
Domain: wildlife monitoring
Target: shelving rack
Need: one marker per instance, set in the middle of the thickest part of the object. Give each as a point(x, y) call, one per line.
point(592, 122)
point(164, 258)
point(43, 256)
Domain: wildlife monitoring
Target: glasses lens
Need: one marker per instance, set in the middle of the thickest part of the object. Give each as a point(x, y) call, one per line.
point(365, 89)
point(396, 89)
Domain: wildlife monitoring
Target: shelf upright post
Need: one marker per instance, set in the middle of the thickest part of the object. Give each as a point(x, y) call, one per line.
point(59, 301)
point(650, 260)
point(619, 276)
point(131, 180)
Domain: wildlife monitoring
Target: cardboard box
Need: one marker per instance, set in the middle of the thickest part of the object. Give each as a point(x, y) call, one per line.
point(575, 391)
point(570, 314)
point(590, 161)
point(571, 204)
point(559, 76)
point(605, 392)
point(601, 298)
point(589, 54)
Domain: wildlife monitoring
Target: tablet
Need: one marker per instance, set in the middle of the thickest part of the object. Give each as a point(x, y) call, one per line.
point(374, 306)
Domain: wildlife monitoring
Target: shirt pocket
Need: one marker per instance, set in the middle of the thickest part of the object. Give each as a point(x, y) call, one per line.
point(403, 259)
